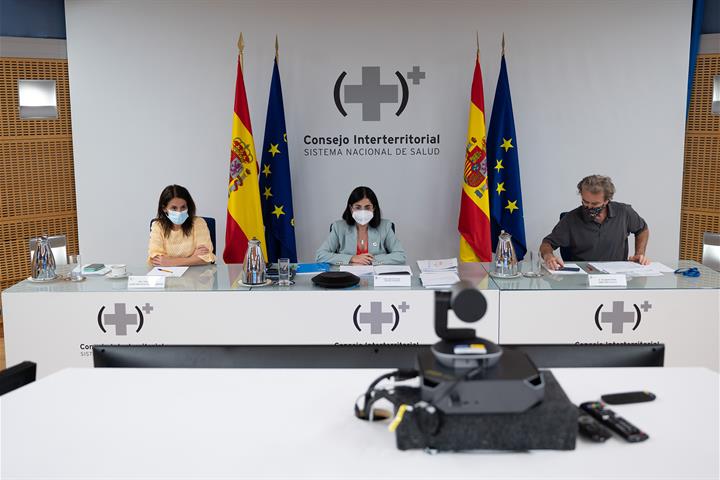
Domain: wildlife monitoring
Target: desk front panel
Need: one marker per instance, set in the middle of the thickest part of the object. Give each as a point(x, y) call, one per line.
point(686, 321)
point(58, 329)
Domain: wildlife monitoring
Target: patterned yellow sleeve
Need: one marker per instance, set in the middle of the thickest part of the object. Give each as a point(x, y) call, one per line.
point(156, 245)
point(202, 237)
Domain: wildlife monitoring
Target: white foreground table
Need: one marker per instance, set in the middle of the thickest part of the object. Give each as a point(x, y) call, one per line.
point(227, 423)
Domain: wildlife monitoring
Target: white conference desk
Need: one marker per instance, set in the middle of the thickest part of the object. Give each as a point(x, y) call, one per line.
point(56, 324)
point(234, 423)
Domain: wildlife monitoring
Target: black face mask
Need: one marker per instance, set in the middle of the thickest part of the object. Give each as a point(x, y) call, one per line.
point(593, 212)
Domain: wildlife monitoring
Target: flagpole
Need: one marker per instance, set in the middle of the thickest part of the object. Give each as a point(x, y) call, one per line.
point(277, 48)
point(477, 40)
point(241, 47)
point(503, 44)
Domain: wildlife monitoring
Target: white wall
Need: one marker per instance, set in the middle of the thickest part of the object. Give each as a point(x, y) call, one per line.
point(598, 87)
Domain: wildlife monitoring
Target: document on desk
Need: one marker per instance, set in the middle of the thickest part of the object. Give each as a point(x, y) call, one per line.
point(167, 271)
point(443, 265)
point(568, 269)
point(655, 269)
point(661, 267)
point(359, 270)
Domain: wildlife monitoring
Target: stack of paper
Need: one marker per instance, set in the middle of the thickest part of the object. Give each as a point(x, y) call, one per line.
point(438, 273)
point(439, 279)
point(633, 269)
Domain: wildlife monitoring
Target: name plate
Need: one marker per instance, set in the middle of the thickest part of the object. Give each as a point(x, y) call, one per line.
point(392, 280)
point(611, 280)
point(142, 281)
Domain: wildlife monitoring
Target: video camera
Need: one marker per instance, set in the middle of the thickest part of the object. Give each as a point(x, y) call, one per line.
point(472, 393)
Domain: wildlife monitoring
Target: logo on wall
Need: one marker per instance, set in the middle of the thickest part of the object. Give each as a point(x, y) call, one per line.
point(371, 93)
point(121, 319)
point(376, 317)
point(618, 317)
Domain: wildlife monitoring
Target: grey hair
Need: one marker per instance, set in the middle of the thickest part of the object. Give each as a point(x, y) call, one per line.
point(597, 183)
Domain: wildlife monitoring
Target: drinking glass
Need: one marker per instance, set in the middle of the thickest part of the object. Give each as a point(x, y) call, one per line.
point(534, 260)
point(283, 272)
point(75, 263)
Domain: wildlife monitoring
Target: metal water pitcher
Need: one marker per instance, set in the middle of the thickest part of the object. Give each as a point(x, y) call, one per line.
point(506, 264)
point(43, 262)
point(253, 272)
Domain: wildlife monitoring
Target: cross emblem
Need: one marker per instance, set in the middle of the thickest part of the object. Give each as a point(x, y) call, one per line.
point(404, 307)
point(147, 308)
point(376, 318)
point(646, 306)
point(618, 317)
point(416, 75)
point(120, 319)
point(371, 94)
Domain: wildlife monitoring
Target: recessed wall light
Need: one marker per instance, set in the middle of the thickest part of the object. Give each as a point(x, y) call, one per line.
point(38, 99)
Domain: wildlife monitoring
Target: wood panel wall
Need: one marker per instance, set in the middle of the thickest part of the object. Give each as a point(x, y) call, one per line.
point(37, 181)
point(700, 210)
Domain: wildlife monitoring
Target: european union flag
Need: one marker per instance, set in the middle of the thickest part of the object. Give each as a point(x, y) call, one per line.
point(506, 207)
point(275, 190)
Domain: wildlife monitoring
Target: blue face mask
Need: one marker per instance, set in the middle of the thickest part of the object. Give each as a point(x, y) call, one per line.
point(178, 218)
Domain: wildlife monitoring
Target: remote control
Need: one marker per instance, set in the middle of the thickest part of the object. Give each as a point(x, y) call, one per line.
point(615, 423)
point(591, 428)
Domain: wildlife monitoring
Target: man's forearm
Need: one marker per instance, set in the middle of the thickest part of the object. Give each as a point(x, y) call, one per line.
point(641, 241)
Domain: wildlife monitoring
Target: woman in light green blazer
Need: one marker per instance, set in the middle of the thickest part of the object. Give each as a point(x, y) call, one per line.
point(362, 237)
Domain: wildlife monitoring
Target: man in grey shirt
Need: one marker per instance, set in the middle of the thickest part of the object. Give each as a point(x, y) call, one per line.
point(597, 230)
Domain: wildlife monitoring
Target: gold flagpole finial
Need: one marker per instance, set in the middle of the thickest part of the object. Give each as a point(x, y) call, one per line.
point(241, 47)
point(277, 48)
point(503, 44)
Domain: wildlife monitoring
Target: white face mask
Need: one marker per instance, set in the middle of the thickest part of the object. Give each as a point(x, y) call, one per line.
point(362, 217)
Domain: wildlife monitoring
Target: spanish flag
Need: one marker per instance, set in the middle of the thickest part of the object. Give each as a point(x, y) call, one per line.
point(474, 222)
point(244, 214)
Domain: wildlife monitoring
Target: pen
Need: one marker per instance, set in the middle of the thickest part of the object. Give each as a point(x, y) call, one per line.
point(163, 270)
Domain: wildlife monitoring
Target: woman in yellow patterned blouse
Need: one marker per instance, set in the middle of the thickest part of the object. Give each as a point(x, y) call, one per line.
point(177, 237)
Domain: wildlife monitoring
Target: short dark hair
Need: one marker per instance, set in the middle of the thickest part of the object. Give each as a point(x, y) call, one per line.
point(168, 193)
point(356, 195)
